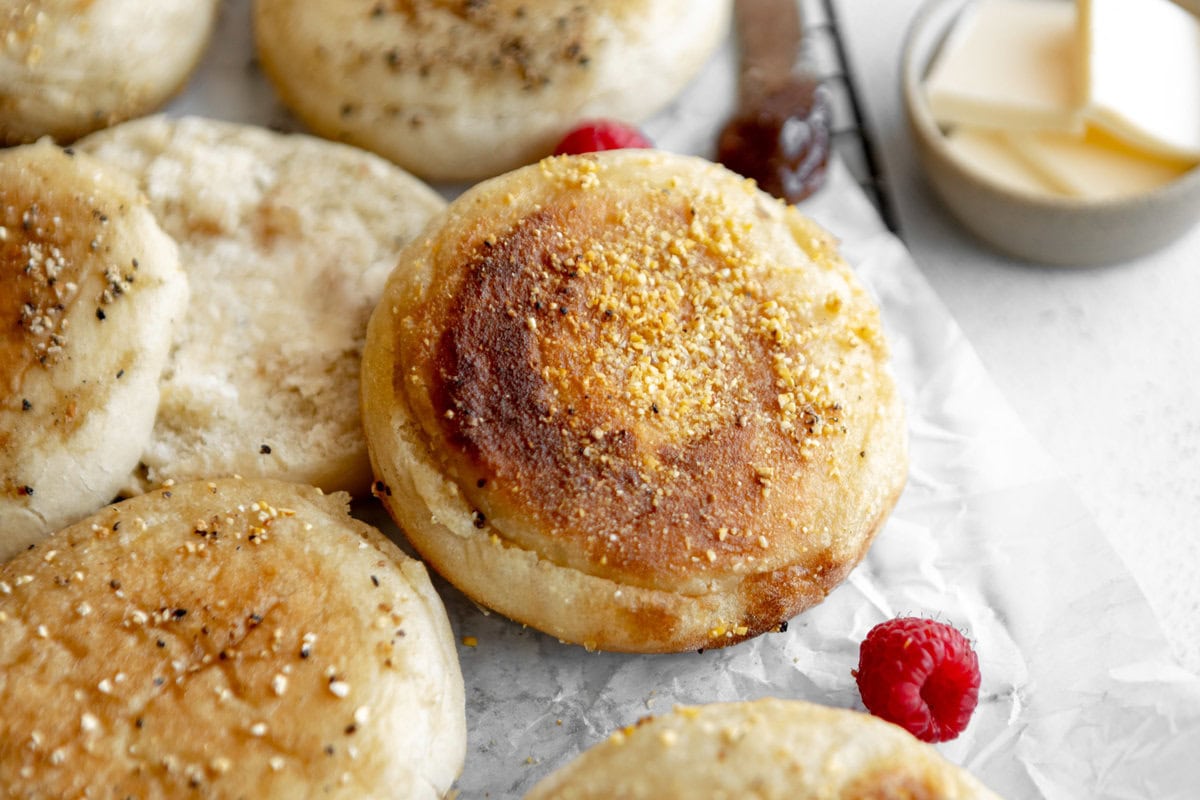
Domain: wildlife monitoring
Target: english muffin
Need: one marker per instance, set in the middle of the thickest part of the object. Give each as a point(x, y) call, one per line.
point(287, 241)
point(766, 749)
point(633, 401)
point(68, 67)
point(466, 90)
point(226, 640)
point(90, 290)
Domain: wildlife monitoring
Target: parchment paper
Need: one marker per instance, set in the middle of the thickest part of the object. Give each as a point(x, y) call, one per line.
point(1080, 698)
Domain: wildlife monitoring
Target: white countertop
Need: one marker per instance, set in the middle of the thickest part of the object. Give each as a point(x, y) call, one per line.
point(1102, 364)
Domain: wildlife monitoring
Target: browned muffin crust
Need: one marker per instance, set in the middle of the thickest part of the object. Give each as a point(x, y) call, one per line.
point(628, 378)
point(225, 639)
point(55, 252)
point(767, 749)
point(466, 89)
point(89, 287)
point(42, 256)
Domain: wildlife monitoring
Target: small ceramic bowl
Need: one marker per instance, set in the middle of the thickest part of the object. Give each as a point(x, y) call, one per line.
point(1047, 230)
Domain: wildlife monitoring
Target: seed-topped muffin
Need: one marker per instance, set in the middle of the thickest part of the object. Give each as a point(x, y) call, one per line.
point(454, 90)
point(631, 400)
point(226, 639)
point(767, 749)
point(90, 291)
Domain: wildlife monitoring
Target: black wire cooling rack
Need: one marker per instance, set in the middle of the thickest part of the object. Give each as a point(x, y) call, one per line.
point(825, 55)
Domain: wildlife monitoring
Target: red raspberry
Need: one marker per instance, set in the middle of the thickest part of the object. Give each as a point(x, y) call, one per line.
point(600, 134)
point(921, 675)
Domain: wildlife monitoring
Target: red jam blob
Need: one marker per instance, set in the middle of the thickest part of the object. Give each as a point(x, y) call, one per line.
point(781, 139)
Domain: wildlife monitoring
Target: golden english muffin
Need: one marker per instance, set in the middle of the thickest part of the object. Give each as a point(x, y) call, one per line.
point(226, 639)
point(69, 67)
point(466, 90)
point(92, 290)
point(766, 749)
point(632, 401)
point(287, 242)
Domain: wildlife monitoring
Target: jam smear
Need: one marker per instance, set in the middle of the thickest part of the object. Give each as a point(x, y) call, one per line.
point(783, 142)
point(780, 135)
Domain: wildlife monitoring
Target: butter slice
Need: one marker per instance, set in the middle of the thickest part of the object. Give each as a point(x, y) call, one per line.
point(990, 154)
point(1010, 64)
point(1142, 62)
point(1094, 167)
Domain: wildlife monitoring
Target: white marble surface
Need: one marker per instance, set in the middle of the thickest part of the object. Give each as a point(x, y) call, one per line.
point(1102, 365)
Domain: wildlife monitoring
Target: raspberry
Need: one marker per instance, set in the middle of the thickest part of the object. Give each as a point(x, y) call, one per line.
point(921, 675)
point(588, 137)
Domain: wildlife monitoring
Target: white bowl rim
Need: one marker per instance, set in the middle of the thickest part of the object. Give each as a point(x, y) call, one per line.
point(917, 106)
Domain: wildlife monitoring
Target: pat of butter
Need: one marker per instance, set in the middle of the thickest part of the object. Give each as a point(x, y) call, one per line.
point(990, 154)
point(1010, 64)
point(1095, 166)
point(1142, 61)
